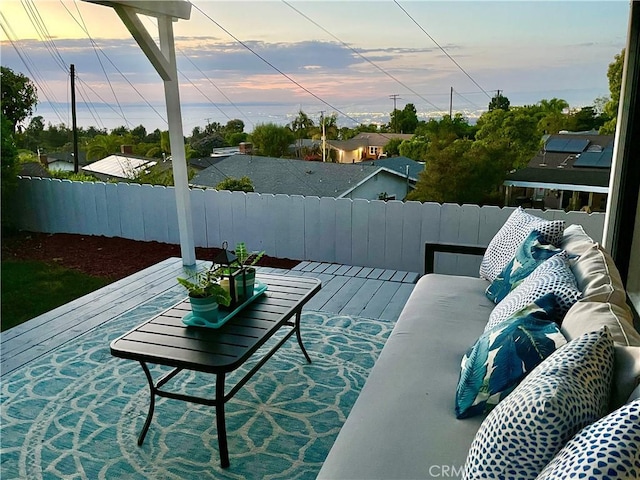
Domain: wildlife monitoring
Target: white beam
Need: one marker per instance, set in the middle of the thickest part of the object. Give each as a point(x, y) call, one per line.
point(172, 8)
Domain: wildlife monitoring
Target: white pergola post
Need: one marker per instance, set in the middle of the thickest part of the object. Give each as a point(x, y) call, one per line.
point(164, 61)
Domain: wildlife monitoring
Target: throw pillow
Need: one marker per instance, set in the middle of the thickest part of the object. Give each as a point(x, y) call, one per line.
point(503, 356)
point(532, 252)
point(566, 392)
point(551, 276)
point(607, 449)
point(503, 245)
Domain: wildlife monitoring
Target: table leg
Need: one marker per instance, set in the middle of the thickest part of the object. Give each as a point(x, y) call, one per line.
point(299, 336)
point(152, 403)
point(220, 421)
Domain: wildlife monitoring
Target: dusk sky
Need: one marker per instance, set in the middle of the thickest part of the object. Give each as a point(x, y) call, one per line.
point(351, 55)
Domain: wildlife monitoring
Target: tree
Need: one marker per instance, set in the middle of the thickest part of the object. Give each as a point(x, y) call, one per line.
point(499, 102)
point(104, 145)
point(19, 96)
point(415, 149)
point(32, 136)
point(461, 172)
point(301, 126)
point(515, 130)
point(405, 120)
point(614, 74)
point(272, 140)
point(203, 147)
point(392, 148)
point(9, 165)
point(242, 184)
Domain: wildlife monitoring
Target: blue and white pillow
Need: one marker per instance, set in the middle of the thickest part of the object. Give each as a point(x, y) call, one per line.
point(504, 244)
point(551, 276)
point(532, 252)
point(608, 449)
point(504, 355)
point(566, 392)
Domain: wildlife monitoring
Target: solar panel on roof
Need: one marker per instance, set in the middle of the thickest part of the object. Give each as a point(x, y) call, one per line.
point(566, 145)
point(595, 159)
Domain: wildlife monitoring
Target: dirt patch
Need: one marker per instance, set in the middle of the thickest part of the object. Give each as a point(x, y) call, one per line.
point(112, 258)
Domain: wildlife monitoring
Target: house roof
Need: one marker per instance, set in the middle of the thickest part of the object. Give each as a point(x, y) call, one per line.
point(580, 162)
point(33, 169)
point(289, 176)
point(399, 164)
point(367, 140)
point(66, 157)
point(119, 165)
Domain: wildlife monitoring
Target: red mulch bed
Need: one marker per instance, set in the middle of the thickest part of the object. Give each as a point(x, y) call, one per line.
point(112, 258)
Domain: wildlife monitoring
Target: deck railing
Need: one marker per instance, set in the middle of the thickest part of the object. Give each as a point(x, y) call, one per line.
point(352, 232)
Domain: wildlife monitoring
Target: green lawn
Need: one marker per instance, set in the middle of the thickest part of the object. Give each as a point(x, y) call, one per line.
point(32, 288)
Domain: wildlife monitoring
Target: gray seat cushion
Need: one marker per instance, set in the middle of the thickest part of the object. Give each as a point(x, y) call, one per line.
point(403, 424)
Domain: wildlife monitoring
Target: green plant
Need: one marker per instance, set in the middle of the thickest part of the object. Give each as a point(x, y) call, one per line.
point(206, 284)
point(245, 257)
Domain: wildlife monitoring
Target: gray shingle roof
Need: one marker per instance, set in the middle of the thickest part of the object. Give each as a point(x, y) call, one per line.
point(287, 176)
point(399, 165)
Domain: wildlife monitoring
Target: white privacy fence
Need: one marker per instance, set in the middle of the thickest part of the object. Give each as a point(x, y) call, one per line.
point(351, 232)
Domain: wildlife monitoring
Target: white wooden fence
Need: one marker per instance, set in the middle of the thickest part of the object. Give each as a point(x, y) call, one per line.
point(351, 232)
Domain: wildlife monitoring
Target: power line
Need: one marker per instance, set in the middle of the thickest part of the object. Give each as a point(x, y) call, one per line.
point(288, 77)
point(360, 55)
point(443, 50)
point(31, 68)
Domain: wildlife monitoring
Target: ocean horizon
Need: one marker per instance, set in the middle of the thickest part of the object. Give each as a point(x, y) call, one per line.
point(154, 116)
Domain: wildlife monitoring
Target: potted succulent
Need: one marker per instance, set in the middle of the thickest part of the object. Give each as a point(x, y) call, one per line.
point(205, 294)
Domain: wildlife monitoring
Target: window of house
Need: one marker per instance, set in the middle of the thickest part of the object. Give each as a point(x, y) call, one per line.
point(373, 151)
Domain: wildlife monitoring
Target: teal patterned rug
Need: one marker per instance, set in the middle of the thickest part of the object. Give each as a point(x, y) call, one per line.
point(76, 413)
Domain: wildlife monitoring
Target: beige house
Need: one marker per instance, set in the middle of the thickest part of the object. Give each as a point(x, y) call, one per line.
point(364, 146)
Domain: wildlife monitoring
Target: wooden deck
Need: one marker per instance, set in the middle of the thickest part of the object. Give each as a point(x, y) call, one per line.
point(346, 290)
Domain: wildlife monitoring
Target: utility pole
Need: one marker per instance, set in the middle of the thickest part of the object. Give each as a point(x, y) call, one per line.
point(324, 137)
point(73, 118)
point(451, 104)
point(394, 97)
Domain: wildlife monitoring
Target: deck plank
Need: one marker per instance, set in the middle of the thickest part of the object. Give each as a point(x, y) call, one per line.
point(386, 275)
point(397, 302)
point(359, 301)
point(328, 290)
point(376, 306)
point(342, 296)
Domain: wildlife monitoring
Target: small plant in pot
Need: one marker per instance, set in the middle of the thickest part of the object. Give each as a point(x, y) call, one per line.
point(238, 272)
point(205, 294)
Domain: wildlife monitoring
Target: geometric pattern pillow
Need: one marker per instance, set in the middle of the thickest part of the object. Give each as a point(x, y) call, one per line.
point(503, 245)
point(503, 356)
point(532, 252)
point(566, 392)
point(607, 449)
point(551, 276)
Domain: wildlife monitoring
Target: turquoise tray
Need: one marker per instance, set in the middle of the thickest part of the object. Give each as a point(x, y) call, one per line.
point(224, 315)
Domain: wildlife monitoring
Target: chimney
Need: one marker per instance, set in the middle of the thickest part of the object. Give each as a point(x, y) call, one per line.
point(246, 148)
point(43, 160)
point(126, 149)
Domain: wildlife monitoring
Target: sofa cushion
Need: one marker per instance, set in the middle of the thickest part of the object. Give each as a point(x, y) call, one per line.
point(403, 424)
point(575, 240)
point(551, 276)
point(503, 356)
point(503, 245)
point(597, 276)
point(566, 392)
point(530, 253)
point(605, 449)
point(586, 316)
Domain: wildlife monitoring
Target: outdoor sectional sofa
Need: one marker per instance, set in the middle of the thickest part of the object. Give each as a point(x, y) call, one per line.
point(404, 426)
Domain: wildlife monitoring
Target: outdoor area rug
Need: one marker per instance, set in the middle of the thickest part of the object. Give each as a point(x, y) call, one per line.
point(76, 413)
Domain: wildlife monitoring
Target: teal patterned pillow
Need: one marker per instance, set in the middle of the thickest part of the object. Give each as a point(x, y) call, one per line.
point(504, 355)
point(532, 252)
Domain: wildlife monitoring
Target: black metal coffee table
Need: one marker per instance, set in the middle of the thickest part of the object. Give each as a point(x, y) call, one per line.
point(165, 340)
